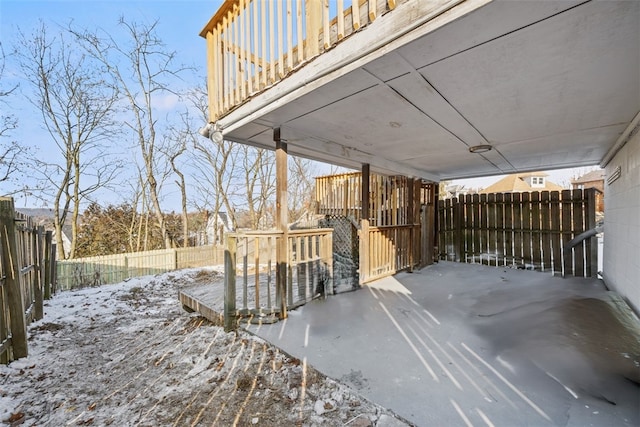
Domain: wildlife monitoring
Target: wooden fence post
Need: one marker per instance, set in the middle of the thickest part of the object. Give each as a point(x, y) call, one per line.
point(411, 220)
point(38, 276)
point(592, 244)
point(230, 252)
point(364, 251)
point(54, 269)
point(47, 264)
point(11, 259)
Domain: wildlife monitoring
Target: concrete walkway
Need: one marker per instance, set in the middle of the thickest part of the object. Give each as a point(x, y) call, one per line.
point(458, 344)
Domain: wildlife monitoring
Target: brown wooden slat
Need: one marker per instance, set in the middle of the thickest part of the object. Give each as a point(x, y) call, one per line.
point(517, 227)
point(508, 226)
point(556, 230)
point(491, 225)
point(526, 226)
point(536, 251)
point(475, 228)
point(545, 225)
point(484, 228)
point(578, 227)
point(500, 250)
point(566, 225)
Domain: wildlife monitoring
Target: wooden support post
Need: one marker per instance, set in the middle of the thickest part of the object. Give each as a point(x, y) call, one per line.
point(364, 229)
point(411, 220)
point(436, 225)
point(10, 259)
point(230, 250)
point(314, 23)
point(281, 222)
point(366, 172)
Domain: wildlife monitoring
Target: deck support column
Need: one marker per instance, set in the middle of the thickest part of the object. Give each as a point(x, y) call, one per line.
point(364, 227)
point(436, 224)
point(281, 222)
point(411, 214)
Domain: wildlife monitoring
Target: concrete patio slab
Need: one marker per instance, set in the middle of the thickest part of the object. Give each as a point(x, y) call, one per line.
point(460, 344)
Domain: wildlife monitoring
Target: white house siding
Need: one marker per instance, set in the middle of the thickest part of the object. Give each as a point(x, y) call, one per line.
point(622, 224)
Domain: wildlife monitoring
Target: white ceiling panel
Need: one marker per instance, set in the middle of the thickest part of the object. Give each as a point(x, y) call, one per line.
point(574, 71)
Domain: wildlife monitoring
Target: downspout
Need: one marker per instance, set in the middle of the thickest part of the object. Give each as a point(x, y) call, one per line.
point(566, 250)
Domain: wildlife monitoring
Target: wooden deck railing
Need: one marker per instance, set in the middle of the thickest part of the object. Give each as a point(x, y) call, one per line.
point(253, 44)
point(309, 272)
point(339, 195)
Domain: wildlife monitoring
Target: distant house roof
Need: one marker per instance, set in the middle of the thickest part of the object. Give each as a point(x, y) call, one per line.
point(596, 175)
point(520, 183)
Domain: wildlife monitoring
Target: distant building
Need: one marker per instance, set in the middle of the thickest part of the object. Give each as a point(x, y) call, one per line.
point(217, 226)
point(593, 179)
point(45, 217)
point(455, 190)
point(523, 183)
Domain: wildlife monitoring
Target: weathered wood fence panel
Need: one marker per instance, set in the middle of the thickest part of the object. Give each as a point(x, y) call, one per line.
point(524, 230)
point(107, 269)
point(252, 256)
point(26, 254)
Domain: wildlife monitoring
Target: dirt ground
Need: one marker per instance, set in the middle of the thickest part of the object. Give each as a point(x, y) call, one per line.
point(128, 355)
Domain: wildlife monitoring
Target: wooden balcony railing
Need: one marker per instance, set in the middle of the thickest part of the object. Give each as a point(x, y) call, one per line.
point(253, 44)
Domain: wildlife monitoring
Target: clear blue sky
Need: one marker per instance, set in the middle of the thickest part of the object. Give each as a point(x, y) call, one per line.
point(179, 25)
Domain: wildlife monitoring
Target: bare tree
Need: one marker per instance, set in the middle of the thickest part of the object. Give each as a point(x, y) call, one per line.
point(301, 187)
point(143, 70)
point(174, 148)
point(11, 152)
point(214, 166)
point(258, 187)
point(77, 106)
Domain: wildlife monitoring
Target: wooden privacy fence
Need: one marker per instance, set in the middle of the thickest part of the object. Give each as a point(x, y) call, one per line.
point(253, 44)
point(27, 277)
point(308, 267)
point(102, 270)
point(525, 230)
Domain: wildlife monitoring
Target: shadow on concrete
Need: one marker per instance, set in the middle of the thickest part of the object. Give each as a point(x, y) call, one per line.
point(461, 344)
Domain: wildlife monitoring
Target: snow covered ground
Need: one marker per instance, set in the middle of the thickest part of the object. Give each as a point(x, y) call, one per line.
point(127, 354)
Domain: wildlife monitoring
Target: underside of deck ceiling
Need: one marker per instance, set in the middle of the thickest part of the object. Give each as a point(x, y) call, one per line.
point(547, 84)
